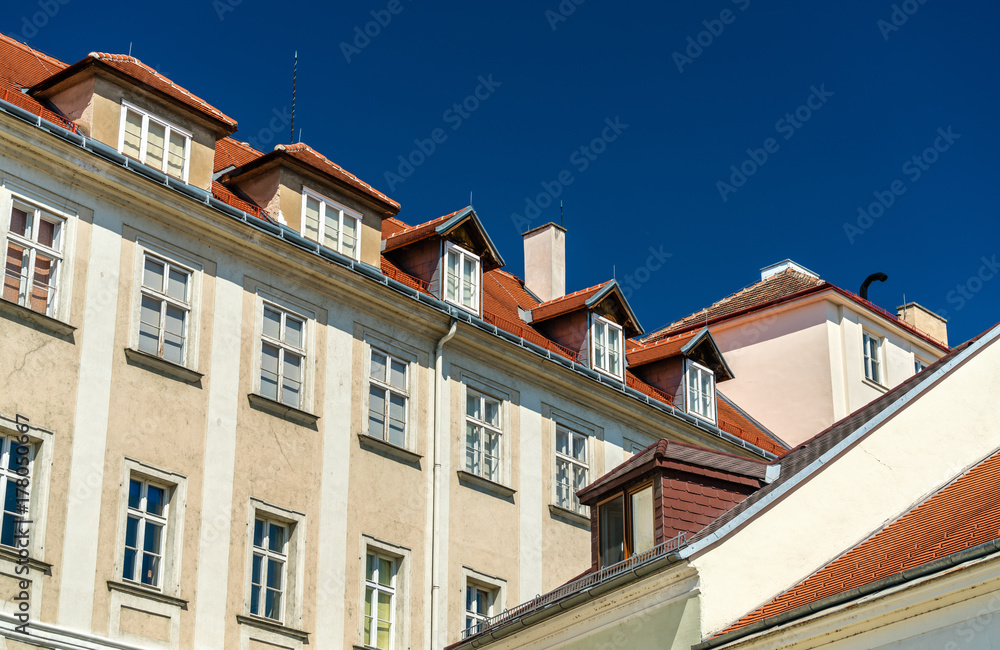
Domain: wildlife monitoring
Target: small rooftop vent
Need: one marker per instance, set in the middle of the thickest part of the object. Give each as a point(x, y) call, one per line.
point(785, 265)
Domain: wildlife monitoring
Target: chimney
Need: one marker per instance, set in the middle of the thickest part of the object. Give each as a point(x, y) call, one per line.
point(924, 320)
point(545, 261)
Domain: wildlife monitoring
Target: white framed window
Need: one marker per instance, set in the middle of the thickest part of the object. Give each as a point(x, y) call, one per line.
point(871, 346)
point(388, 397)
point(25, 469)
point(282, 355)
point(483, 435)
point(145, 532)
point(331, 224)
point(700, 392)
point(16, 461)
point(919, 365)
point(572, 468)
point(606, 347)
point(461, 278)
point(483, 597)
point(154, 141)
point(164, 308)
point(33, 256)
point(267, 571)
point(380, 596)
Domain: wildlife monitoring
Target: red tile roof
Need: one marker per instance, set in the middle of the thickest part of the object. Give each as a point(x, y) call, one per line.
point(962, 515)
point(141, 73)
point(660, 349)
point(232, 153)
point(410, 234)
point(565, 304)
point(11, 92)
point(24, 65)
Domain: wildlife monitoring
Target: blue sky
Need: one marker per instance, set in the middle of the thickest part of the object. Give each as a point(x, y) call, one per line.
point(692, 143)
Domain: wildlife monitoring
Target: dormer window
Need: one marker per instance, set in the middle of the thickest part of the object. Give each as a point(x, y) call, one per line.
point(155, 142)
point(331, 224)
point(700, 391)
point(606, 337)
point(626, 525)
point(461, 287)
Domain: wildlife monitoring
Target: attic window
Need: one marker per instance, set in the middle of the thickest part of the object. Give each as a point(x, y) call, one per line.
point(155, 142)
point(606, 338)
point(461, 284)
point(626, 525)
point(700, 395)
point(330, 224)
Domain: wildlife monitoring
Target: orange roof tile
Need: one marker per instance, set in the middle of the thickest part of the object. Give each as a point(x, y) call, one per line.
point(962, 515)
point(24, 65)
point(660, 349)
point(304, 153)
point(565, 304)
point(410, 234)
point(232, 153)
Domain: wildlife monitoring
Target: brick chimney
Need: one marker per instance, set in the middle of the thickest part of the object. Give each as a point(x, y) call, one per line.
point(924, 320)
point(545, 261)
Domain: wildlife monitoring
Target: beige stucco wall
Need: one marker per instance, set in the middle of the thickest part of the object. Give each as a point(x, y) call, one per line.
point(910, 455)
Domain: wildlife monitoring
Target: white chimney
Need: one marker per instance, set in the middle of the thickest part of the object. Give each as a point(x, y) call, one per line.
point(545, 261)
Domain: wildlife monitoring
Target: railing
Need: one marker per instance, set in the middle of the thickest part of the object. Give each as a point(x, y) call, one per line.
point(530, 335)
point(237, 202)
point(582, 584)
point(406, 278)
point(17, 98)
point(652, 391)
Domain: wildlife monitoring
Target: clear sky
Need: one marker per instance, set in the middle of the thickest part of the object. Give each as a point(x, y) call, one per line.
point(692, 143)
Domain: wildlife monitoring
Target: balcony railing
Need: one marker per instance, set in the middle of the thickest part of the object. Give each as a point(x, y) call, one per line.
point(18, 99)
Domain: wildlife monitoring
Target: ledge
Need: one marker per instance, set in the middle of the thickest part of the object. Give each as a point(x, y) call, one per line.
point(142, 592)
point(874, 384)
point(11, 555)
point(570, 516)
point(388, 449)
point(468, 479)
point(282, 410)
point(272, 626)
point(169, 368)
point(32, 317)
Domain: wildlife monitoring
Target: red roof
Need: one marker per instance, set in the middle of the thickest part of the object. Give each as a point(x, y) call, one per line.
point(409, 234)
point(138, 71)
point(962, 515)
point(231, 153)
point(658, 350)
point(24, 65)
point(565, 304)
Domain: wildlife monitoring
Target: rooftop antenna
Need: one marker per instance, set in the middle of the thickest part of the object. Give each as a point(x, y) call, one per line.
point(300, 135)
point(130, 48)
point(560, 215)
point(295, 74)
point(470, 198)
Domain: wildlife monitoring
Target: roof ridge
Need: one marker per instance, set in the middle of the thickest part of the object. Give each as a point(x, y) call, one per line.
point(422, 224)
point(302, 146)
point(25, 46)
point(570, 295)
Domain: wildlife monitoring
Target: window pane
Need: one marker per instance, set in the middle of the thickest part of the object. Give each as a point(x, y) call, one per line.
point(397, 376)
point(385, 571)
point(154, 145)
point(256, 569)
point(269, 371)
point(13, 279)
point(469, 278)
point(642, 520)
point(276, 538)
point(177, 286)
point(46, 233)
point(312, 219)
point(291, 382)
point(378, 365)
point(150, 569)
point(255, 600)
point(272, 323)
point(350, 237)
point(258, 533)
point(600, 332)
point(562, 441)
point(152, 274)
point(272, 606)
point(173, 338)
point(293, 331)
point(149, 325)
point(580, 448)
point(18, 221)
point(155, 498)
point(40, 284)
point(472, 404)
point(451, 286)
point(134, 494)
point(133, 134)
point(175, 157)
point(612, 532)
point(128, 566)
point(492, 411)
point(371, 565)
point(151, 538)
point(331, 235)
point(274, 568)
point(376, 412)
point(397, 420)
point(131, 532)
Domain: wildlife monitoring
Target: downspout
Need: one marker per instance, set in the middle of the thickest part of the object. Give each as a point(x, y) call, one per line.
point(439, 426)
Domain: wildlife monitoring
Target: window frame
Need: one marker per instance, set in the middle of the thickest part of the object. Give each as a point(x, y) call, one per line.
point(693, 366)
point(628, 541)
point(452, 248)
point(11, 479)
point(35, 211)
point(919, 364)
point(497, 429)
point(267, 554)
point(175, 501)
point(344, 212)
point(867, 362)
point(389, 389)
point(494, 587)
point(400, 636)
point(575, 505)
point(608, 325)
point(144, 518)
point(170, 260)
point(293, 579)
point(169, 127)
point(265, 303)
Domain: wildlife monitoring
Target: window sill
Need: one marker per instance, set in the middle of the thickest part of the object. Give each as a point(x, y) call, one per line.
point(143, 592)
point(11, 555)
point(282, 410)
point(162, 366)
point(874, 384)
point(378, 445)
point(272, 626)
point(569, 516)
point(32, 317)
point(702, 417)
point(468, 479)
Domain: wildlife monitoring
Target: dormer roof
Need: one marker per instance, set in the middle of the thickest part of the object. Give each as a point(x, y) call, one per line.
point(462, 226)
point(607, 294)
point(696, 345)
point(139, 74)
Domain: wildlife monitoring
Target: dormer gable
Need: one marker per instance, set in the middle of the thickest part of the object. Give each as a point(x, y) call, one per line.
point(669, 488)
point(593, 323)
point(124, 104)
point(449, 254)
point(686, 367)
point(317, 198)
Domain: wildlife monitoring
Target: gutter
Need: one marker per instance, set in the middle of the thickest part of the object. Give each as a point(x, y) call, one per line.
point(295, 239)
point(439, 433)
point(937, 566)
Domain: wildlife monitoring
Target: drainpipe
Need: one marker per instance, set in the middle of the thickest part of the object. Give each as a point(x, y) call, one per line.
point(439, 429)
